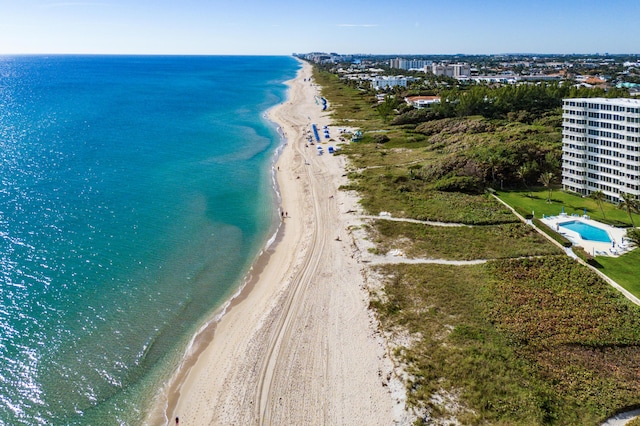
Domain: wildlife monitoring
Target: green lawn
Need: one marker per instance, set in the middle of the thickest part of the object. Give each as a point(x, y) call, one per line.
point(624, 269)
point(537, 203)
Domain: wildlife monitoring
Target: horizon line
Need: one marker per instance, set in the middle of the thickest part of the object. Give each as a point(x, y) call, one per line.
point(306, 53)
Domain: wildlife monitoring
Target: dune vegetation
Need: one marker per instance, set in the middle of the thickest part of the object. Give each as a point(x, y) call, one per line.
point(528, 337)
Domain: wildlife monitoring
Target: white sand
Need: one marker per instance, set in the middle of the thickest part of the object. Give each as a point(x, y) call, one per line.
point(300, 348)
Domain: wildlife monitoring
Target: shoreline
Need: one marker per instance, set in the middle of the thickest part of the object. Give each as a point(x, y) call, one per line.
point(205, 335)
point(165, 401)
point(303, 309)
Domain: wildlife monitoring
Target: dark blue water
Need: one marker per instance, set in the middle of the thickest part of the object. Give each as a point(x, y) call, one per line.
point(135, 193)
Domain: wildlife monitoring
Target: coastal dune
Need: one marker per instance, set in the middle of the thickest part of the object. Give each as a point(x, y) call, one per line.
point(299, 346)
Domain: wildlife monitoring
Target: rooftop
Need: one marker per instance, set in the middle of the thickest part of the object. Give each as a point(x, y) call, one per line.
point(423, 98)
point(634, 102)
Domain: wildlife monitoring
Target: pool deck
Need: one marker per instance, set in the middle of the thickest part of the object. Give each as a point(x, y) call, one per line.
point(595, 248)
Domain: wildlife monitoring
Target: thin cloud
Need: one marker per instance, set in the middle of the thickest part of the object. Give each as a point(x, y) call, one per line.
point(358, 25)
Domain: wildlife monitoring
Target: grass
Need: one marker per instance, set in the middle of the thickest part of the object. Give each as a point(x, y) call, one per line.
point(524, 340)
point(624, 270)
point(579, 331)
point(349, 106)
point(529, 341)
point(393, 190)
point(364, 156)
point(456, 350)
point(461, 243)
point(536, 201)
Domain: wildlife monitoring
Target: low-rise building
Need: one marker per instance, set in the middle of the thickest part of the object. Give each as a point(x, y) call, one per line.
point(383, 82)
point(421, 102)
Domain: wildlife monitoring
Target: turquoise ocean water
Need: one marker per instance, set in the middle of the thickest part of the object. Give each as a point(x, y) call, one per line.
point(135, 193)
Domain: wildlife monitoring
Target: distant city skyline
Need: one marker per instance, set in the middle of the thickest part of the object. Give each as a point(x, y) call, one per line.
point(282, 27)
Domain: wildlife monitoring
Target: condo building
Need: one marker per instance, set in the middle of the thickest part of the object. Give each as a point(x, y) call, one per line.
point(384, 82)
point(601, 146)
point(451, 70)
point(409, 64)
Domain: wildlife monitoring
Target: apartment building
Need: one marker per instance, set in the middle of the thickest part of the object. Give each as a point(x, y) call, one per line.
point(384, 82)
point(409, 64)
point(451, 70)
point(601, 146)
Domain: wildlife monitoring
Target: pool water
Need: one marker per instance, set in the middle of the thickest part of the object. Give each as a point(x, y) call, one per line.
point(587, 232)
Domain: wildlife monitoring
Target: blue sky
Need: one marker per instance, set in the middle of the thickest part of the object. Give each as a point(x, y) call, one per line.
point(280, 27)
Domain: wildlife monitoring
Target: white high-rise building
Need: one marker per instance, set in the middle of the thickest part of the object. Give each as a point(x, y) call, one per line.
point(409, 64)
point(601, 146)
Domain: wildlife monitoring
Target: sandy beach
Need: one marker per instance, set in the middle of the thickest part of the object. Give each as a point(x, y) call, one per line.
point(299, 346)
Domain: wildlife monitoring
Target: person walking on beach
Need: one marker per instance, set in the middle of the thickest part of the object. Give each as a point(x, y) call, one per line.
point(177, 420)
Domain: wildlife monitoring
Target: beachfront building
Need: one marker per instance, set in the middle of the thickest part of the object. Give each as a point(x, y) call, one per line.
point(601, 146)
point(383, 82)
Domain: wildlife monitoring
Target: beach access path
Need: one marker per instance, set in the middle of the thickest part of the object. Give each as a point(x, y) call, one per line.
point(300, 347)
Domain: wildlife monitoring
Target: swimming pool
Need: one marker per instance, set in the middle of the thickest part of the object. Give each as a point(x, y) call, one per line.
point(586, 231)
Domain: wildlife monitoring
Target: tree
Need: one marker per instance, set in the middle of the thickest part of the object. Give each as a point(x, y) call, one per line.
point(630, 204)
point(551, 162)
point(494, 162)
point(599, 197)
point(546, 179)
point(523, 172)
point(386, 108)
point(633, 235)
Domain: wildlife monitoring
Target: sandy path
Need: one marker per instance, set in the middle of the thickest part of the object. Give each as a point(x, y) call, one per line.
point(301, 347)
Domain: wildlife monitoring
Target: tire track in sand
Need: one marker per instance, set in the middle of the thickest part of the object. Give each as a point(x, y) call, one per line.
point(281, 339)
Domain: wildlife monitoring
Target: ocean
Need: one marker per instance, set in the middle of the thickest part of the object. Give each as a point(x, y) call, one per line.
point(136, 193)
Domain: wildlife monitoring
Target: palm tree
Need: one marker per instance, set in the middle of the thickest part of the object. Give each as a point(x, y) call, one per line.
point(386, 108)
point(547, 179)
point(599, 197)
point(633, 235)
point(630, 204)
point(523, 172)
point(494, 161)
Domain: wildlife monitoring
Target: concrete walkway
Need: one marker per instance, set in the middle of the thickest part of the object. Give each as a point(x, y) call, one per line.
point(611, 282)
point(425, 222)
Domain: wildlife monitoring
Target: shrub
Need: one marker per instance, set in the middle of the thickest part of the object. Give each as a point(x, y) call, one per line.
point(553, 234)
point(381, 139)
point(466, 184)
point(586, 256)
point(522, 212)
point(414, 116)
